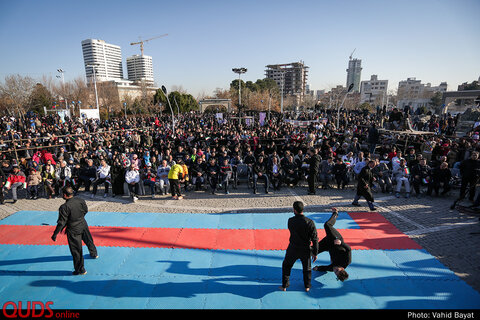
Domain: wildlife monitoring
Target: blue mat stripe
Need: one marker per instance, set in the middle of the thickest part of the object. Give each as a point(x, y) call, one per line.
point(135, 278)
point(182, 220)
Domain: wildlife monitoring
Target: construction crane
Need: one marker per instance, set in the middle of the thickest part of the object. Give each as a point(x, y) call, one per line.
point(351, 54)
point(141, 42)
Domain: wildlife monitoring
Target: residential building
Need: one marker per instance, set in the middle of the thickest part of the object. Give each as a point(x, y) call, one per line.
point(106, 57)
point(354, 73)
point(414, 93)
point(374, 91)
point(291, 78)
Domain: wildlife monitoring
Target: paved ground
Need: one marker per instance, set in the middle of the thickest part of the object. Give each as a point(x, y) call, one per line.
point(449, 235)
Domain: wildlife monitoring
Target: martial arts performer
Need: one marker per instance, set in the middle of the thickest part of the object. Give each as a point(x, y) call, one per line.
point(340, 252)
point(303, 232)
point(71, 217)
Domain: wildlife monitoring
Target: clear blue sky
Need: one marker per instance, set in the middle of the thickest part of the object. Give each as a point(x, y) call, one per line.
point(432, 40)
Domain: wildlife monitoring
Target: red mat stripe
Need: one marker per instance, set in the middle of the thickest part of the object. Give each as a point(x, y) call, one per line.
point(220, 239)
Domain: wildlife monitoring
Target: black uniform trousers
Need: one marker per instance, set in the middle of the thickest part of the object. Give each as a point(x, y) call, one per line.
point(292, 255)
point(75, 245)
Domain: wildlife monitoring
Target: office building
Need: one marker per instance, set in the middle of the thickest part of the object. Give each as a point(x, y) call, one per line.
point(106, 57)
point(354, 73)
point(140, 67)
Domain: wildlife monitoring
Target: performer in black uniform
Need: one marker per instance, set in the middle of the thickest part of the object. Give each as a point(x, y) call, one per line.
point(314, 165)
point(71, 217)
point(340, 252)
point(302, 232)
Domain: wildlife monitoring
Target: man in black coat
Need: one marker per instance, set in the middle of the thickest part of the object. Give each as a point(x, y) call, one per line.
point(302, 245)
point(340, 252)
point(71, 217)
point(365, 180)
point(469, 171)
point(260, 172)
point(313, 168)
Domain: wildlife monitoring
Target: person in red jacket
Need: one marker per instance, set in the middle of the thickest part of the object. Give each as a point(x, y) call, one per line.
point(15, 180)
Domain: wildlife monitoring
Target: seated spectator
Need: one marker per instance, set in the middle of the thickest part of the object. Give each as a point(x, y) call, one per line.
point(383, 175)
point(402, 177)
point(225, 174)
point(421, 175)
point(103, 176)
point(276, 173)
point(260, 172)
point(212, 170)
point(162, 176)
point(340, 172)
point(290, 170)
point(149, 179)
point(48, 177)
point(62, 176)
point(87, 175)
point(440, 177)
point(15, 180)
point(326, 171)
point(33, 181)
point(132, 178)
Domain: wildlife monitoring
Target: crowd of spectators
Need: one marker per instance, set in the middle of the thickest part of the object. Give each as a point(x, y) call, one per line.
point(143, 155)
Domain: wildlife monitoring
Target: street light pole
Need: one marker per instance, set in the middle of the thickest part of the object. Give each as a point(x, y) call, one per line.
point(350, 87)
point(93, 66)
point(63, 87)
point(164, 91)
point(239, 71)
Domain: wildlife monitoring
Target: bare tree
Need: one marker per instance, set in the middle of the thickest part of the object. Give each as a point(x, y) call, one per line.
point(17, 89)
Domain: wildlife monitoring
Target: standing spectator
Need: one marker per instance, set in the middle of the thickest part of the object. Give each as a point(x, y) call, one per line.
point(313, 167)
point(174, 176)
point(469, 171)
point(365, 180)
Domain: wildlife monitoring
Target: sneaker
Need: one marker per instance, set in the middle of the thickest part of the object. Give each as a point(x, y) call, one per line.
point(397, 195)
point(356, 204)
point(407, 195)
point(373, 208)
point(135, 199)
point(180, 198)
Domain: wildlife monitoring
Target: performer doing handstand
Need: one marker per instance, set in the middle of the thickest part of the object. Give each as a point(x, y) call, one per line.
point(340, 252)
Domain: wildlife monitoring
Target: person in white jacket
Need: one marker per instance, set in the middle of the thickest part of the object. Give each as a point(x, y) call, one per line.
point(402, 176)
point(103, 176)
point(132, 178)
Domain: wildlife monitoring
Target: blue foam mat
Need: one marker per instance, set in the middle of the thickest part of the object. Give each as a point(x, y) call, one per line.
point(210, 279)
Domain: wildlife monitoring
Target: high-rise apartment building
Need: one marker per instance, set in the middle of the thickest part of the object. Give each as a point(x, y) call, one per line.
point(292, 76)
point(354, 73)
point(106, 57)
point(140, 67)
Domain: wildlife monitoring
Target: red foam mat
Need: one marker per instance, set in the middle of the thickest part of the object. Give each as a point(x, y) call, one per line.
point(372, 237)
